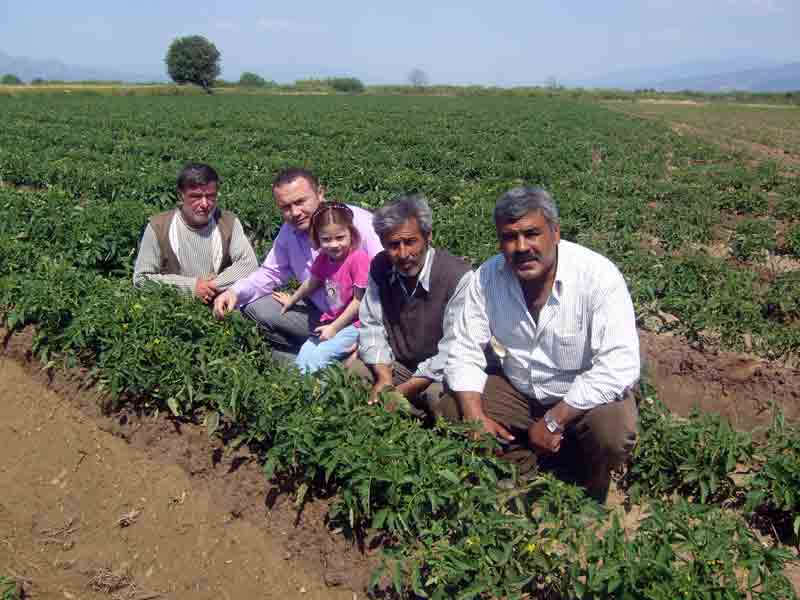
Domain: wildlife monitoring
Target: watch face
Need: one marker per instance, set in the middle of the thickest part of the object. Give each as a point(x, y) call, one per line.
point(551, 424)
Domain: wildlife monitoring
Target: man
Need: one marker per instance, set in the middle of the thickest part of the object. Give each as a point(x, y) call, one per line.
point(195, 247)
point(565, 320)
point(413, 294)
point(297, 195)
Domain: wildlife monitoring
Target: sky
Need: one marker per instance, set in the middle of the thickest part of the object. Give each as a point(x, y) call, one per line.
point(465, 42)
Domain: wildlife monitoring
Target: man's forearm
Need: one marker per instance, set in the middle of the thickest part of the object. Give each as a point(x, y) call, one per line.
point(382, 373)
point(564, 414)
point(413, 386)
point(471, 405)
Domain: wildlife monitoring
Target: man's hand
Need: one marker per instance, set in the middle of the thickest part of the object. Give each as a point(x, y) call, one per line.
point(206, 289)
point(282, 298)
point(413, 387)
point(224, 303)
point(542, 441)
point(325, 332)
point(491, 427)
point(472, 409)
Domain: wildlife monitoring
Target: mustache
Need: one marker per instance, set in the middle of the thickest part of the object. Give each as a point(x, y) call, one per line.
point(523, 257)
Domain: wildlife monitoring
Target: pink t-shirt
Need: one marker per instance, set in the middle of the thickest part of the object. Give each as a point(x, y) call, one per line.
point(339, 279)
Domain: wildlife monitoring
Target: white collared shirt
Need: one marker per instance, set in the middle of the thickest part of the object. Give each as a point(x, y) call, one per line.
point(584, 348)
point(373, 341)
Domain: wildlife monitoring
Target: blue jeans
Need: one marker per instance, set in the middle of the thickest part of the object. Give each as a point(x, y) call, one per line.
point(315, 355)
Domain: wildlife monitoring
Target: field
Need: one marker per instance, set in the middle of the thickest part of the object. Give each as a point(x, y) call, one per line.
point(768, 131)
point(707, 235)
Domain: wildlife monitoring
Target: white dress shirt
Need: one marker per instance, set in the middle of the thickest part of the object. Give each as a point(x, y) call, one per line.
point(584, 349)
point(373, 341)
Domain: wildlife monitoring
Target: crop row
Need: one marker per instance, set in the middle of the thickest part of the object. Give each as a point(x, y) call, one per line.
point(450, 529)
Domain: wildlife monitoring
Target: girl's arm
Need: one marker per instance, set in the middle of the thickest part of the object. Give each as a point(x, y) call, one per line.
point(348, 316)
point(306, 289)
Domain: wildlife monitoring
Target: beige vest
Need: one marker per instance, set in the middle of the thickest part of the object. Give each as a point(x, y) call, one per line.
point(169, 262)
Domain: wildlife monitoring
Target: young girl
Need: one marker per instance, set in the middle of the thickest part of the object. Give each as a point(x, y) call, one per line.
point(343, 268)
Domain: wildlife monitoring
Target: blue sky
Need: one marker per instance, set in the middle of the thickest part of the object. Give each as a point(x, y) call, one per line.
point(500, 42)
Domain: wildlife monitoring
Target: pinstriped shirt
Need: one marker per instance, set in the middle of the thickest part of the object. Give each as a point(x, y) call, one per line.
point(584, 349)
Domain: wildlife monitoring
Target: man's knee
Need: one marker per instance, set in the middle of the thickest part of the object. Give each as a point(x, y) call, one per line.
point(609, 431)
point(440, 403)
point(265, 311)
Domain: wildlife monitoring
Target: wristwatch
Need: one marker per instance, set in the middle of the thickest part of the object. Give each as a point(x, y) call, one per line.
point(552, 425)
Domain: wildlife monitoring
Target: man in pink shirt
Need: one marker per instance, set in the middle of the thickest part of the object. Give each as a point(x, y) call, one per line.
point(297, 195)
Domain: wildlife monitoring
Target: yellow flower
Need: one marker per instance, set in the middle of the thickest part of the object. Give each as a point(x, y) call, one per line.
point(530, 548)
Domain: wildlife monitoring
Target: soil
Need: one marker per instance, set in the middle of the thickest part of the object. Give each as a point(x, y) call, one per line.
point(754, 148)
point(743, 388)
point(127, 507)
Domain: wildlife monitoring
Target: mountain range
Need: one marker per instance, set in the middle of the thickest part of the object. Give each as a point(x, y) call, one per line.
point(745, 74)
point(754, 75)
point(28, 69)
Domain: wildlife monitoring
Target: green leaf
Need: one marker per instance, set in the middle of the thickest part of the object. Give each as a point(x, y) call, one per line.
point(416, 582)
point(449, 475)
point(397, 577)
point(269, 467)
point(302, 490)
point(379, 518)
point(212, 422)
point(472, 591)
point(174, 407)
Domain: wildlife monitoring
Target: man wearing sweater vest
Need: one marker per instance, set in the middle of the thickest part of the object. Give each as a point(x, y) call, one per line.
point(563, 319)
point(413, 295)
point(195, 247)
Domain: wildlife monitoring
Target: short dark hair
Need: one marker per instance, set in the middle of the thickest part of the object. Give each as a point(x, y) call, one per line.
point(195, 175)
point(519, 201)
point(288, 175)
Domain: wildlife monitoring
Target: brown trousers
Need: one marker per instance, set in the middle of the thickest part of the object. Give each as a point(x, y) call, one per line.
point(594, 444)
point(432, 402)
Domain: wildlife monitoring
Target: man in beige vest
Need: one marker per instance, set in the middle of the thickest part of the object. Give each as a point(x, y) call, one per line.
point(197, 247)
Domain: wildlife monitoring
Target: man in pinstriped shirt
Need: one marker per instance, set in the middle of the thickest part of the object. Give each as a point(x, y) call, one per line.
point(195, 247)
point(564, 322)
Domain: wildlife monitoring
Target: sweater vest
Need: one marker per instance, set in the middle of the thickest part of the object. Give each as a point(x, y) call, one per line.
point(414, 326)
point(160, 224)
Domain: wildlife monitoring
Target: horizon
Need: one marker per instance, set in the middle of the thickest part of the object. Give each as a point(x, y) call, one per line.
point(452, 43)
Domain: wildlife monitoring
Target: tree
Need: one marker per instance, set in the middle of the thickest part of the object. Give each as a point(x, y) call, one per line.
point(249, 79)
point(11, 79)
point(552, 83)
point(417, 77)
point(193, 59)
point(351, 85)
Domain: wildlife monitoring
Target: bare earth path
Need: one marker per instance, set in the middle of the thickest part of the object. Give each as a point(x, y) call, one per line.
point(82, 508)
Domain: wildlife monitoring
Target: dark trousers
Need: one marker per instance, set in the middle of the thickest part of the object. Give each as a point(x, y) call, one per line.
point(594, 444)
point(285, 333)
point(431, 403)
